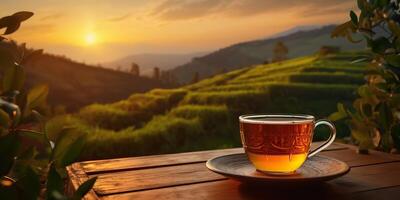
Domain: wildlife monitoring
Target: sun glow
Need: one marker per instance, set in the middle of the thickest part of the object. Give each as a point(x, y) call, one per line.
point(90, 38)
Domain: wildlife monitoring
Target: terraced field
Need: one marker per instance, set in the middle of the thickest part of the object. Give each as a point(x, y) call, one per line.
point(204, 115)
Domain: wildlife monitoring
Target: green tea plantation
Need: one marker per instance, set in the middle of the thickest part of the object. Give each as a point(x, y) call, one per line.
point(204, 115)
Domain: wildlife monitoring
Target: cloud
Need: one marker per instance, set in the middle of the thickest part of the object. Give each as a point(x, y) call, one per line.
point(120, 18)
point(38, 28)
point(189, 9)
point(331, 10)
point(51, 17)
point(35, 30)
point(182, 9)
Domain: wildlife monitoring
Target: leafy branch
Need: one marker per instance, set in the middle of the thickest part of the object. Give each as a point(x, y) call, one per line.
point(32, 164)
point(375, 118)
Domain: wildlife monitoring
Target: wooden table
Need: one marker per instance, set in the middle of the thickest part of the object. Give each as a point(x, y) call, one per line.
point(185, 176)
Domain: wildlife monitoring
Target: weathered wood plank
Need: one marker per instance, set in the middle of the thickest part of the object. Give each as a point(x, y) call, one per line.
point(133, 163)
point(372, 152)
point(390, 193)
point(100, 166)
point(77, 176)
point(133, 180)
point(359, 179)
point(354, 159)
point(125, 181)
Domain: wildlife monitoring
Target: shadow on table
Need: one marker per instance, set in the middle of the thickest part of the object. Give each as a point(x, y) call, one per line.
point(316, 191)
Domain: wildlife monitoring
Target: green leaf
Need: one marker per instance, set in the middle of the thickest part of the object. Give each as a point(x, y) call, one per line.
point(382, 3)
point(355, 117)
point(37, 97)
point(33, 135)
point(84, 188)
point(29, 184)
point(340, 114)
point(390, 75)
point(73, 152)
point(12, 28)
point(366, 109)
point(394, 27)
point(9, 146)
point(11, 23)
point(33, 138)
point(364, 142)
point(22, 15)
point(362, 132)
point(354, 18)
point(397, 43)
point(14, 78)
point(21, 101)
point(361, 4)
point(336, 116)
point(365, 91)
point(12, 110)
point(341, 108)
point(393, 60)
point(6, 58)
point(396, 135)
point(28, 154)
point(4, 119)
point(56, 131)
point(385, 116)
point(38, 118)
point(68, 149)
point(343, 30)
point(54, 184)
point(395, 101)
point(379, 45)
point(386, 142)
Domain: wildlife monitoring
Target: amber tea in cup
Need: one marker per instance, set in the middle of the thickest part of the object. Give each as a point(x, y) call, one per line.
point(280, 144)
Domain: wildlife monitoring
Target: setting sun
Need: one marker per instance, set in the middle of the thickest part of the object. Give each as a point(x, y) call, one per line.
point(90, 38)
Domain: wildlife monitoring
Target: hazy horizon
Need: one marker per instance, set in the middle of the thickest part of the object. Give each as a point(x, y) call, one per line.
point(90, 31)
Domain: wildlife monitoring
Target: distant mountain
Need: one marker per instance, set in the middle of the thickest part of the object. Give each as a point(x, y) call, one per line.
point(74, 84)
point(148, 61)
point(294, 30)
point(302, 42)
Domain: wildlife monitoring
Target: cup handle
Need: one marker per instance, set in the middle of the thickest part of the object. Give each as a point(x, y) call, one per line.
point(327, 142)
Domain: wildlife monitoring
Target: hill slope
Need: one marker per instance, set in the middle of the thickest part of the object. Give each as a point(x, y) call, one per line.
point(204, 115)
point(294, 30)
point(75, 84)
point(256, 52)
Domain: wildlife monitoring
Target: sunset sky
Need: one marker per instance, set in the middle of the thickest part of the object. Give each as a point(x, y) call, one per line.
point(95, 31)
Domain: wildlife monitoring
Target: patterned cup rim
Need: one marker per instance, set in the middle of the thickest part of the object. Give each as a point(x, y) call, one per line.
point(263, 118)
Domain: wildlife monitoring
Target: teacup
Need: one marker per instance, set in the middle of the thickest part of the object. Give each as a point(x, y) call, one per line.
point(280, 144)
